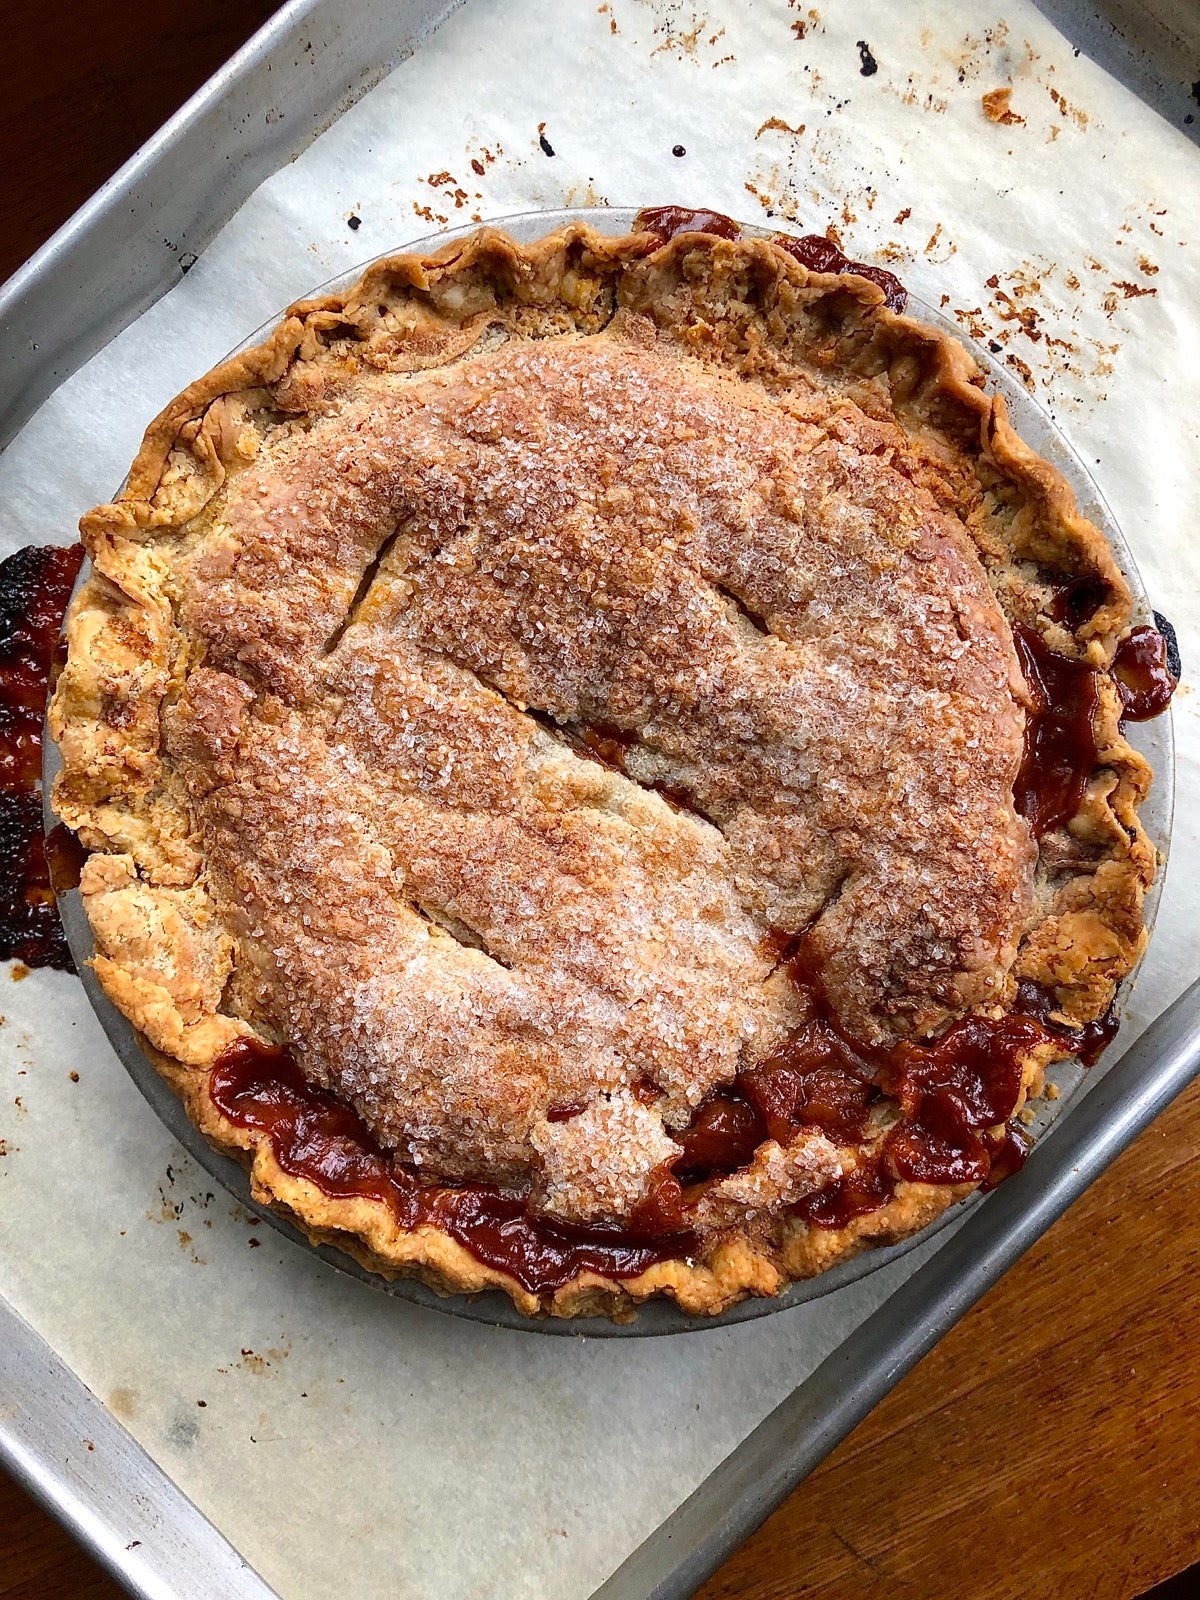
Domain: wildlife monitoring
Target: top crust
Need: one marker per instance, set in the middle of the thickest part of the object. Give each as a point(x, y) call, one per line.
point(380, 591)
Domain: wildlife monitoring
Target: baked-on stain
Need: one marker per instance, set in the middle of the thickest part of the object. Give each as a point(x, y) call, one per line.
point(1170, 644)
point(316, 1136)
point(35, 585)
point(997, 107)
point(811, 250)
point(65, 857)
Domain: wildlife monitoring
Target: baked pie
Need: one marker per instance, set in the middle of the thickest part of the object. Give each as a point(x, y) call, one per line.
point(601, 766)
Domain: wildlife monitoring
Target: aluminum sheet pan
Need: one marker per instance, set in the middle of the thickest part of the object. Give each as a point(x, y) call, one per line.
point(629, 85)
point(71, 1453)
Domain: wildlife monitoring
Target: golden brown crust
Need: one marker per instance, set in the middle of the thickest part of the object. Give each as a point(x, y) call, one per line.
point(175, 653)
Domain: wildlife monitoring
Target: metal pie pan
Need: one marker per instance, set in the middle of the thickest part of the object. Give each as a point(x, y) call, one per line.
point(1153, 739)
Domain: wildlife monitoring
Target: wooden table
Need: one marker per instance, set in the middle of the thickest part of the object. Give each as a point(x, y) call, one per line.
point(1051, 1445)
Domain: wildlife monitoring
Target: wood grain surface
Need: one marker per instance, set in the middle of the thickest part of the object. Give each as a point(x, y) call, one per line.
point(1050, 1446)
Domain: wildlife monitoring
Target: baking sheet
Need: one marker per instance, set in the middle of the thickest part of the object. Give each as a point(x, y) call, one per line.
point(412, 1453)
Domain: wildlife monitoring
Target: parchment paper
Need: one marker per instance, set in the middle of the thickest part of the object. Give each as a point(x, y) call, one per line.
point(345, 1442)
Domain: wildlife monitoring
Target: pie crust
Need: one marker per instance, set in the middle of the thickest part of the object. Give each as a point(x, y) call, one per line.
point(386, 602)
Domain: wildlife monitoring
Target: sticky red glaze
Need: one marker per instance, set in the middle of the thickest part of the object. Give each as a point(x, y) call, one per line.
point(723, 1136)
point(818, 1077)
point(811, 250)
point(1088, 1042)
point(35, 585)
point(665, 222)
point(815, 1079)
point(976, 1063)
point(1142, 665)
point(1060, 733)
point(951, 1091)
point(1142, 674)
point(564, 1110)
point(866, 1187)
point(1077, 602)
point(955, 1095)
point(952, 1094)
point(606, 743)
point(316, 1136)
point(818, 254)
point(1008, 1155)
point(661, 1209)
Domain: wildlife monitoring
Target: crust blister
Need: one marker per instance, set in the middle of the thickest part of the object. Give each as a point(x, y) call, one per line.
point(824, 349)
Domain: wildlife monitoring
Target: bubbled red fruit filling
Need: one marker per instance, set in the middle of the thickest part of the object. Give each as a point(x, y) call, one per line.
point(316, 1136)
point(811, 250)
point(952, 1095)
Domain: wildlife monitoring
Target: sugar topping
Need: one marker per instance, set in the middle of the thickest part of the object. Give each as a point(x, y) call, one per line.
point(423, 613)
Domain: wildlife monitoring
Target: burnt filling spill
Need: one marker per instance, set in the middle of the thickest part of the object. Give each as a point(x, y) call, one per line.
point(35, 585)
point(811, 250)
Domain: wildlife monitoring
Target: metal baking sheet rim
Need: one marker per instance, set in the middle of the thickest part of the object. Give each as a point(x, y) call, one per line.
point(759, 1473)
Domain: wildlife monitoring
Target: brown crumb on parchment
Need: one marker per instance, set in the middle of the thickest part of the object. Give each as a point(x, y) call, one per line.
point(1078, 117)
point(783, 127)
point(1125, 291)
point(802, 25)
point(997, 107)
